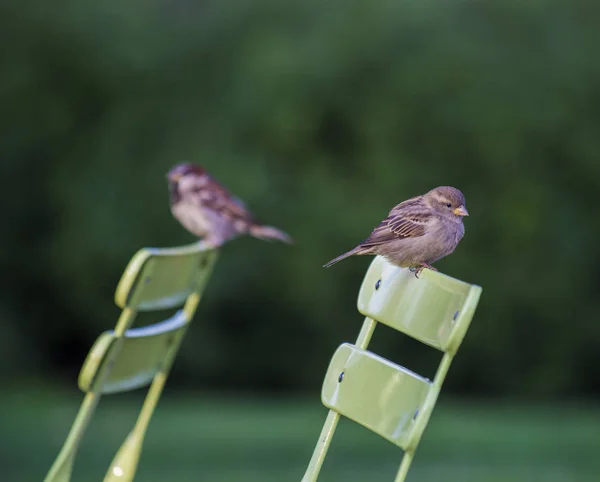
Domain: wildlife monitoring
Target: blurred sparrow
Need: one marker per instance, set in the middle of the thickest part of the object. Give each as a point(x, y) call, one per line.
point(417, 232)
point(208, 210)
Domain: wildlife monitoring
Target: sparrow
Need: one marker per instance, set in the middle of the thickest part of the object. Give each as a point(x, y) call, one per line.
point(207, 210)
point(418, 231)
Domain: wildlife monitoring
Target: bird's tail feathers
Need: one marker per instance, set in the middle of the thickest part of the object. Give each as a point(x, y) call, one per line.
point(357, 250)
point(269, 233)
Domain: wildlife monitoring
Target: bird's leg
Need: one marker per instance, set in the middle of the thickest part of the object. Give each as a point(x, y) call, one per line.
point(421, 267)
point(212, 242)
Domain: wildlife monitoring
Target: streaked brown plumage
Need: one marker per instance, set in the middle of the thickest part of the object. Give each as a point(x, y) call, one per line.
point(418, 231)
point(209, 211)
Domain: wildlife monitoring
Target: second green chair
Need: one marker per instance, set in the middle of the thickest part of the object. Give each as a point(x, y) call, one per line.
point(127, 358)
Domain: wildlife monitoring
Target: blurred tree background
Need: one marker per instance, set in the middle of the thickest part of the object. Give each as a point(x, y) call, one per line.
point(321, 116)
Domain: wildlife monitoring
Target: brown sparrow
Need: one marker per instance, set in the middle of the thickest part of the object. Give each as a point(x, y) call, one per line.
point(417, 232)
point(208, 210)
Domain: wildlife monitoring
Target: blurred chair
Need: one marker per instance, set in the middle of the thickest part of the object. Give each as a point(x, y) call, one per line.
point(124, 359)
point(386, 398)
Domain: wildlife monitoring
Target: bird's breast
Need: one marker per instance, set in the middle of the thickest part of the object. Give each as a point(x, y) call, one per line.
point(192, 217)
point(443, 240)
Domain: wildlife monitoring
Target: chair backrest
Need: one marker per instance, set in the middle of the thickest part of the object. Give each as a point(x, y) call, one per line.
point(141, 357)
point(127, 358)
point(384, 397)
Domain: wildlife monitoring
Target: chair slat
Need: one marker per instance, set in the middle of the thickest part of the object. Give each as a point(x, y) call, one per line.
point(138, 360)
point(163, 278)
point(425, 308)
point(372, 391)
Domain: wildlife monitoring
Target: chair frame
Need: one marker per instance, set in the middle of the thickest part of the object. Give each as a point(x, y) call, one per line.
point(124, 464)
point(362, 342)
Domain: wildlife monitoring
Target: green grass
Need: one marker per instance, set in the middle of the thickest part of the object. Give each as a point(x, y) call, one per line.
point(245, 440)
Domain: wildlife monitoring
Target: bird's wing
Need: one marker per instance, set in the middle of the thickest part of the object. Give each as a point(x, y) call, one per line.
point(211, 195)
point(407, 220)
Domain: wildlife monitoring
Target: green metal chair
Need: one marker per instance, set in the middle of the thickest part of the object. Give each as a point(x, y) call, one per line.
point(386, 398)
point(124, 359)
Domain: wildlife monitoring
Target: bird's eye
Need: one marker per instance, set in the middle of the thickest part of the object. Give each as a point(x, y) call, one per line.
point(448, 205)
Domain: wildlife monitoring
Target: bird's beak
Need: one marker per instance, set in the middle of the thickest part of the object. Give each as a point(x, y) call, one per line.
point(174, 177)
point(461, 211)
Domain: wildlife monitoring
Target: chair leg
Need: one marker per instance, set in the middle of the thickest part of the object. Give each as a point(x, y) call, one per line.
point(316, 462)
point(318, 457)
point(124, 465)
point(404, 466)
point(63, 465)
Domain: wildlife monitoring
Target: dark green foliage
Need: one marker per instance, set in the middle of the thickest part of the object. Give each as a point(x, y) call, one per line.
point(322, 116)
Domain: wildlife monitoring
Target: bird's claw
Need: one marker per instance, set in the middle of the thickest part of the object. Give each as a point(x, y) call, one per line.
point(417, 270)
